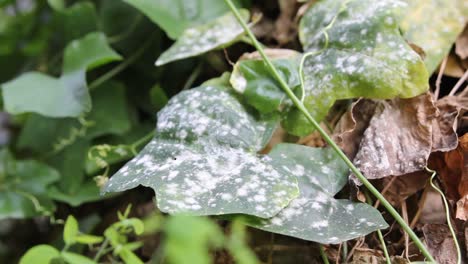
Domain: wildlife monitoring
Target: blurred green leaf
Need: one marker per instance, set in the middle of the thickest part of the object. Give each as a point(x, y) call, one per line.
point(203, 159)
point(66, 96)
point(200, 39)
point(39, 254)
point(70, 230)
point(129, 257)
point(434, 33)
point(24, 187)
point(88, 239)
point(194, 236)
point(73, 258)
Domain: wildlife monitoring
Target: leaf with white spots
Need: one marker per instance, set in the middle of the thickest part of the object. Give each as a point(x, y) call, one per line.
point(200, 39)
point(203, 159)
point(316, 215)
point(366, 56)
point(434, 33)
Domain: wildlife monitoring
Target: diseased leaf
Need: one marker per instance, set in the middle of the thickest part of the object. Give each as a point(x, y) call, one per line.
point(66, 96)
point(366, 56)
point(251, 78)
point(203, 159)
point(434, 33)
point(316, 215)
point(24, 187)
point(203, 38)
point(174, 17)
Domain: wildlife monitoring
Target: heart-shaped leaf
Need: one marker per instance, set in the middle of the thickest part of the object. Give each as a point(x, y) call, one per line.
point(24, 186)
point(315, 215)
point(68, 95)
point(176, 16)
point(203, 159)
point(203, 38)
point(364, 55)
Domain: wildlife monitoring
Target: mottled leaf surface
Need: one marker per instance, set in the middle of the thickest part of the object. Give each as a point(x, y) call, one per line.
point(175, 16)
point(434, 33)
point(366, 56)
point(203, 159)
point(252, 78)
point(66, 96)
point(24, 186)
point(316, 215)
point(203, 38)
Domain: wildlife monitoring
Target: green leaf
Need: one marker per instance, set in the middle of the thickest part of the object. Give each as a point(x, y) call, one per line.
point(73, 258)
point(197, 40)
point(70, 230)
point(366, 56)
point(88, 192)
point(194, 236)
point(39, 254)
point(79, 20)
point(129, 257)
point(23, 186)
point(434, 33)
point(251, 78)
point(88, 239)
point(174, 17)
point(203, 159)
point(316, 215)
point(135, 223)
point(66, 96)
point(238, 246)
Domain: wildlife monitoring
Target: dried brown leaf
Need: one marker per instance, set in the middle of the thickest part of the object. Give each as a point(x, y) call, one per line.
point(461, 45)
point(402, 187)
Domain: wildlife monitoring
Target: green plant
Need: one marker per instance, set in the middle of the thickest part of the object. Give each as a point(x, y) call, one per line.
point(82, 91)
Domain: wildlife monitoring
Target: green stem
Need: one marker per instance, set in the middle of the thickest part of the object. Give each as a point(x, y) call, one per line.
point(110, 74)
point(100, 252)
point(379, 233)
point(316, 125)
point(447, 214)
point(323, 254)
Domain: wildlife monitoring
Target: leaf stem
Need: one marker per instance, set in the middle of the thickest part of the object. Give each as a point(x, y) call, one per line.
point(100, 252)
point(379, 233)
point(316, 125)
point(447, 214)
point(323, 255)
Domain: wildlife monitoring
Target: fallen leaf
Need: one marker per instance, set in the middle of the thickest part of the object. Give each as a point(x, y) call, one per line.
point(439, 243)
point(350, 129)
point(444, 136)
point(400, 188)
point(374, 257)
point(399, 138)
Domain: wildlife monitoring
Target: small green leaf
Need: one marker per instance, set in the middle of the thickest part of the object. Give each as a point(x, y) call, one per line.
point(203, 159)
point(197, 40)
point(88, 239)
point(436, 33)
point(66, 96)
point(70, 230)
point(174, 17)
point(363, 56)
point(252, 79)
point(39, 254)
point(135, 223)
point(73, 258)
point(316, 215)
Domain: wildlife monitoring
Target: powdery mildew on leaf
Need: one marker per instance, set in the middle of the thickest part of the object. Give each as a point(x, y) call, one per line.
point(203, 38)
point(365, 57)
point(316, 215)
point(203, 159)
